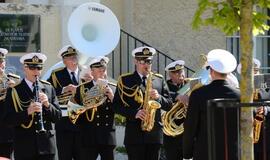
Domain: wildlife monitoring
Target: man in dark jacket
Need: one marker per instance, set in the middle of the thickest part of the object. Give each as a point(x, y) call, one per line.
point(31, 108)
point(261, 116)
point(65, 81)
point(97, 124)
point(173, 144)
point(132, 95)
point(195, 140)
point(7, 80)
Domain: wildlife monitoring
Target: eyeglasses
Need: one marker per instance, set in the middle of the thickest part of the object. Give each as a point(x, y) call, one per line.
point(147, 61)
point(34, 68)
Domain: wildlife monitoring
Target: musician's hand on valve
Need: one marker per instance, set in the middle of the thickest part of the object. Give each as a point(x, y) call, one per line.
point(183, 99)
point(34, 107)
point(141, 114)
point(109, 93)
point(44, 99)
point(154, 94)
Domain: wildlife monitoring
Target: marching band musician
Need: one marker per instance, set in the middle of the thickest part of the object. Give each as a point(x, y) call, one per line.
point(129, 101)
point(195, 140)
point(22, 112)
point(173, 145)
point(65, 81)
point(6, 134)
point(98, 131)
point(261, 147)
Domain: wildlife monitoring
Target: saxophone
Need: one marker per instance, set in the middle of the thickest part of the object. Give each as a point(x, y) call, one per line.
point(258, 119)
point(150, 106)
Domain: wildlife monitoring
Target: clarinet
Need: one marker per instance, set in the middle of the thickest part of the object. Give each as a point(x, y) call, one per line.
point(39, 115)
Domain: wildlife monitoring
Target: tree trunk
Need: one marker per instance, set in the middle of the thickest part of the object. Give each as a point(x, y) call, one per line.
point(246, 84)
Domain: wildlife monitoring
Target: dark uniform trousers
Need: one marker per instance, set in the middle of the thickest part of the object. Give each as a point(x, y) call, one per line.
point(28, 144)
point(262, 148)
point(67, 134)
point(173, 145)
point(140, 145)
point(6, 135)
point(97, 136)
point(225, 123)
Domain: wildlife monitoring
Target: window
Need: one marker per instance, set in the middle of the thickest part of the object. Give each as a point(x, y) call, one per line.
point(261, 47)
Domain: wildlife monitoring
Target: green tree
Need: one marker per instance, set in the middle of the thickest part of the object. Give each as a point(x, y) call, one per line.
point(247, 18)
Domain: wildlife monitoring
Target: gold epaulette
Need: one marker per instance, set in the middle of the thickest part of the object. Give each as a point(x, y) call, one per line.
point(54, 77)
point(125, 74)
point(158, 75)
point(58, 69)
point(46, 82)
point(13, 76)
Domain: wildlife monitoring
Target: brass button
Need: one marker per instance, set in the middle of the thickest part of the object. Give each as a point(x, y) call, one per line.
point(97, 116)
point(35, 122)
point(97, 124)
point(44, 121)
point(106, 124)
point(107, 108)
point(107, 116)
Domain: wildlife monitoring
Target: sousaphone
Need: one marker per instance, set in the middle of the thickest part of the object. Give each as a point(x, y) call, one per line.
point(93, 29)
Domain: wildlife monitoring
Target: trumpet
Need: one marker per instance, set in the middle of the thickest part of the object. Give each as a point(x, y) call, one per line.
point(64, 98)
point(3, 86)
point(4, 83)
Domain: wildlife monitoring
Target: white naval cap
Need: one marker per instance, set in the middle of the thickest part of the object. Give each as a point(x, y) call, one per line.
point(176, 65)
point(221, 61)
point(143, 52)
point(256, 65)
point(99, 61)
point(33, 59)
point(66, 51)
point(3, 53)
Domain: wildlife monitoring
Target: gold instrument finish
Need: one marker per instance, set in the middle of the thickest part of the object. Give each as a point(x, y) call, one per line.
point(258, 119)
point(64, 98)
point(179, 111)
point(91, 99)
point(4, 83)
point(150, 106)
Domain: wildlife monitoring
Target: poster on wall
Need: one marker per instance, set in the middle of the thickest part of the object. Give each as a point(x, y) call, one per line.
point(20, 32)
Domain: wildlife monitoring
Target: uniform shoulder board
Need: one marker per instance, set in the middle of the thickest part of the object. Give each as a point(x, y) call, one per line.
point(17, 84)
point(158, 75)
point(58, 69)
point(112, 84)
point(46, 82)
point(126, 74)
point(11, 75)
